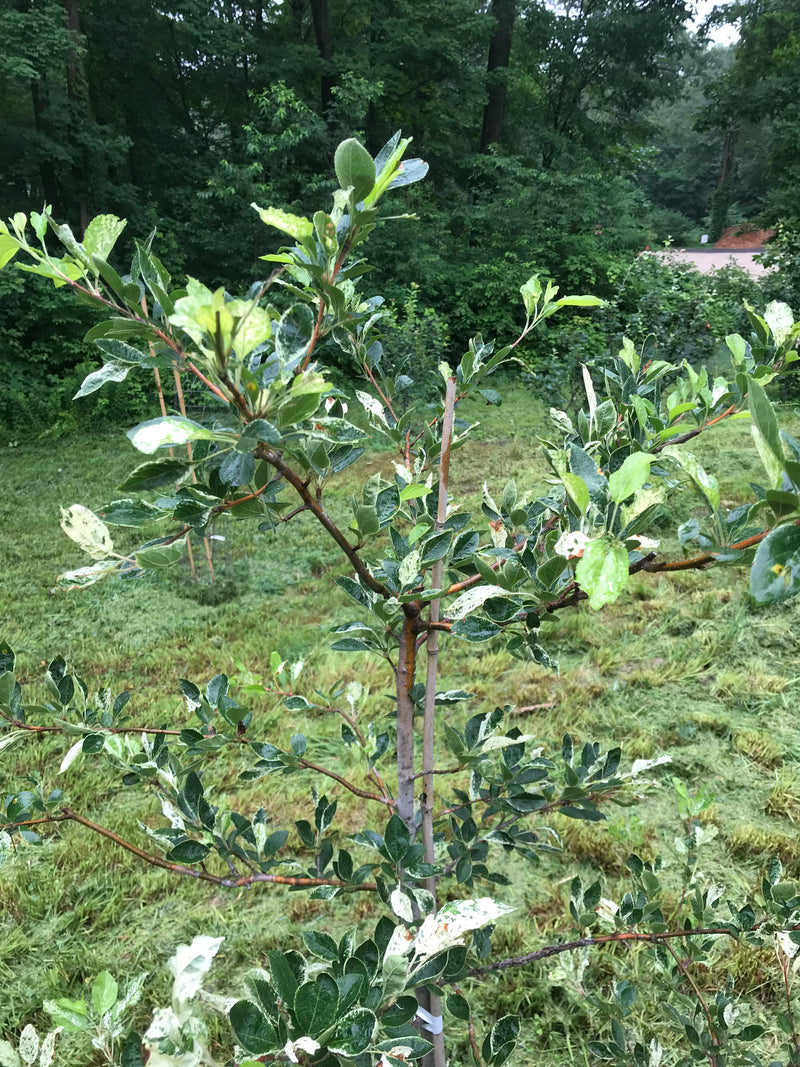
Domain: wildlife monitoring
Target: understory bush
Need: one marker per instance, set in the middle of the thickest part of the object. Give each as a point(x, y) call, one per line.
point(670, 311)
point(447, 815)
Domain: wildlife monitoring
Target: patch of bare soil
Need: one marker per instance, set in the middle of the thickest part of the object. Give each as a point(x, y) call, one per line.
point(744, 237)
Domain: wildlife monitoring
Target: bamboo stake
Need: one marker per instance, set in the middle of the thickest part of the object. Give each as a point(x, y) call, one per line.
point(163, 408)
point(437, 1057)
point(206, 542)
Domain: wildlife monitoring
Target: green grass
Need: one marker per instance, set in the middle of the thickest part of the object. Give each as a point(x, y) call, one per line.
point(684, 665)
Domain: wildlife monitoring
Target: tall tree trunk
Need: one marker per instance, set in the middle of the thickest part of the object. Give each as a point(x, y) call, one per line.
point(723, 194)
point(499, 53)
point(322, 33)
point(47, 170)
point(76, 90)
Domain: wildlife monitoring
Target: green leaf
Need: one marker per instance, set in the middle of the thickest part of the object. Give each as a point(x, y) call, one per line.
point(775, 574)
point(104, 993)
point(577, 489)
point(353, 1033)
point(155, 473)
point(7, 657)
point(458, 1006)
point(750, 1033)
point(475, 628)
point(602, 572)
point(252, 1029)
point(580, 302)
point(283, 976)
point(295, 225)
point(738, 347)
point(9, 246)
point(131, 1055)
point(414, 490)
point(129, 512)
point(503, 1034)
point(354, 168)
point(255, 431)
point(322, 945)
point(165, 431)
point(397, 838)
point(764, 418)
point(71, 1014)
point(630, 477)
point(188, 852)
point(315, 1005)
point(585, 466)
point(159, 556)
point(773, 466)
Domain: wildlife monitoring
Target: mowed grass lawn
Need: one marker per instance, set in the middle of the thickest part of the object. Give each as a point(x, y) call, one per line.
point(683, 665)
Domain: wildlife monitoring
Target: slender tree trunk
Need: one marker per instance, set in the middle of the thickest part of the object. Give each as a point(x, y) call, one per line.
point(499, 54)
point(322, 33)
point(406, 665)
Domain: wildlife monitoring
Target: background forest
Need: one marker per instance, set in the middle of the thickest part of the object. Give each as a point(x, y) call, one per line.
point(562, 138)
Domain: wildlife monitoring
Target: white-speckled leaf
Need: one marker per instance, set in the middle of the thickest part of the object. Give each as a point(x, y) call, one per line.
point(28, 1044)
point(190, 965)
point(8, 1055)
point(472, 599)
point(778, 316)
point(86, 576)
point(169, 430)
point(87, 531)
point(401, 905)
point(71, 756)
point(48, 1050)
point(372, 406)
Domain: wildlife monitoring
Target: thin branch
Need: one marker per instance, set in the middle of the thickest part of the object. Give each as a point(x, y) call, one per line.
point(307, 765)
point(205, 876)
point(473, 1044)
point(312, 344)
point(703, 561)
point(625, 936)
point(208, 384)
point(695, 433)
point(313, 505)
point(684, 970)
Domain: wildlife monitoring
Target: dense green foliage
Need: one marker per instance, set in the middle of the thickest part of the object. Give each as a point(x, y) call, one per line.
point(173, 115)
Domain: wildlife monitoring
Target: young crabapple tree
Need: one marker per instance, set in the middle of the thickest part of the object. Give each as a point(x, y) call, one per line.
point(421, 572)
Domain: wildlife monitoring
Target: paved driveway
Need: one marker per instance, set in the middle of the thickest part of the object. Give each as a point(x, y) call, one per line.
point(718, 257)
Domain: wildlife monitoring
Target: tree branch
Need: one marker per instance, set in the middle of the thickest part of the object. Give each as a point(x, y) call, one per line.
point(626, 936)
point(313, 505)
point(201, 875)
point(343, 781)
